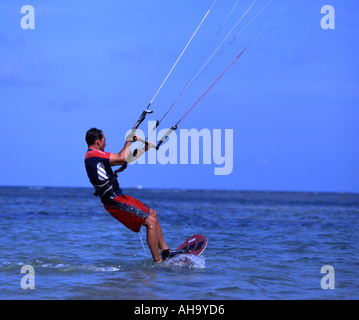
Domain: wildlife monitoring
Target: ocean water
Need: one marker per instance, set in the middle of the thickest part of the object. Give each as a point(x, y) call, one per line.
point(261, 245)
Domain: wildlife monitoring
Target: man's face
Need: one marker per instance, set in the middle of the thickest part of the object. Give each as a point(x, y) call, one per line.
point(102, 143)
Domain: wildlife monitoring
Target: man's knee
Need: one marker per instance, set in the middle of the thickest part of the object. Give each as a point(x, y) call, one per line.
point(151, 221)
point(153, 213)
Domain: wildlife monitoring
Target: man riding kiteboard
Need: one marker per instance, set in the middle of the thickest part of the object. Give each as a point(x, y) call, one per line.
point(129, 211)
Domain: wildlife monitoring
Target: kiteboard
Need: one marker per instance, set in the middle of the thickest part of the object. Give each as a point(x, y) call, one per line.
point(194, 245)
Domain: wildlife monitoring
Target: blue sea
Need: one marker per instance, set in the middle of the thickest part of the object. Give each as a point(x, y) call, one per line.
point(261, 245)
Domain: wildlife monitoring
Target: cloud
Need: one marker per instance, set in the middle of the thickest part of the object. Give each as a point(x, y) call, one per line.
point(9, 74)
point(70, 99)
point(261, 162)
point(13, 42)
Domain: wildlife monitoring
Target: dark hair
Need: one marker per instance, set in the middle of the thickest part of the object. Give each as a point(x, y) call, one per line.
point(92, 135)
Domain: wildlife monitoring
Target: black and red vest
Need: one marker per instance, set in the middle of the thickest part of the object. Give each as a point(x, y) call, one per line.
point(101, 176)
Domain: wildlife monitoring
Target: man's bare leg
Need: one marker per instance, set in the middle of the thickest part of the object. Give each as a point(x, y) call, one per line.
point(155, 238)
point(161, 241)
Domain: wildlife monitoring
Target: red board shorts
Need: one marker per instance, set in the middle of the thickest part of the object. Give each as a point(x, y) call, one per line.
point(131, 212)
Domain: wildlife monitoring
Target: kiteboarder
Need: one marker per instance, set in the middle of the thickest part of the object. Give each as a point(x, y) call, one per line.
point(131, 212)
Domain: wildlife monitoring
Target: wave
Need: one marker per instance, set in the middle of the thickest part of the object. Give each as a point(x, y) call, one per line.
point(184, 260)
point(57, 265)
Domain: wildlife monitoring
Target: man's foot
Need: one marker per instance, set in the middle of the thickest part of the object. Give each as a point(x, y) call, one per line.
point(168, 253)
point(157, 261)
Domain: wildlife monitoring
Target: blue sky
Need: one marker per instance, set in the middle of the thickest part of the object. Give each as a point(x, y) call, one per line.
point(291, 99)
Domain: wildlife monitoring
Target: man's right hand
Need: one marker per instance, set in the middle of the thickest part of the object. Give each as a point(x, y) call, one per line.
point(132, 137)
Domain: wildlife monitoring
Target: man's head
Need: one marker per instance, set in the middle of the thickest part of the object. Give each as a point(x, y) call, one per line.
point(96, 139)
